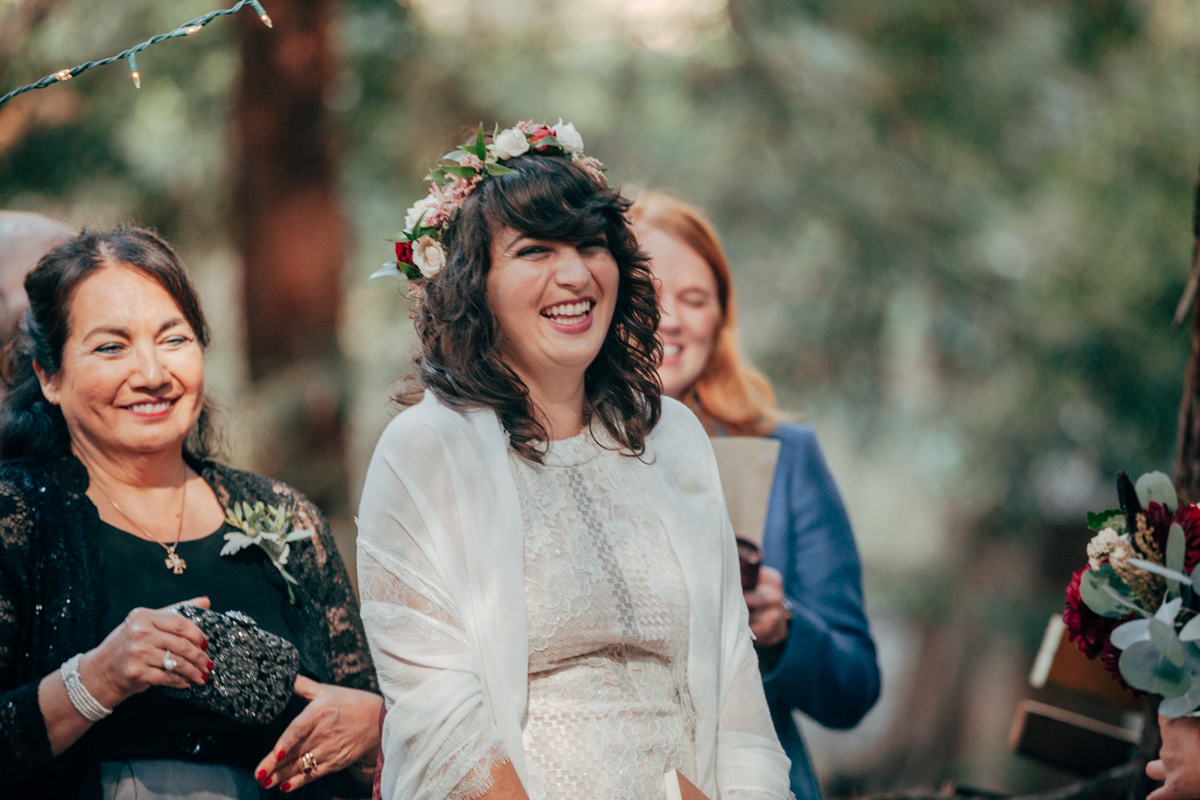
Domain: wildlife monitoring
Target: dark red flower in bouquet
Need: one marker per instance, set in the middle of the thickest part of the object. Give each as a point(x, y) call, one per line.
point(1087, 629)
point(404, 252)
point(1188, 517)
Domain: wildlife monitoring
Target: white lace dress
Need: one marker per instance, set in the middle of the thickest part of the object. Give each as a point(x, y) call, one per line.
point(608, 709)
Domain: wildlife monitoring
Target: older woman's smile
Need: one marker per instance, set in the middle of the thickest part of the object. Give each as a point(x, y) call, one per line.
point(570, 317)
point(152, 411)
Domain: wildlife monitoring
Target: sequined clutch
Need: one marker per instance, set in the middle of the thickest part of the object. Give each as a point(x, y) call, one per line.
point(253, 670)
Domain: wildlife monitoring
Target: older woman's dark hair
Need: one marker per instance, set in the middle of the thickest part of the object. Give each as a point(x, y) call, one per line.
point(30, 426)
point(545, 198)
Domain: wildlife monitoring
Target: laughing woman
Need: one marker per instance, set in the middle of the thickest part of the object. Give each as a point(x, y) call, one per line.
point(548, 574)
point(109, 512)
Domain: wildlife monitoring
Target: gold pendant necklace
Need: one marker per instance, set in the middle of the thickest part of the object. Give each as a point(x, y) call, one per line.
point(173, 560)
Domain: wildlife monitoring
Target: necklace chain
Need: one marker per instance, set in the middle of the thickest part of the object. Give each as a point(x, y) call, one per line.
point(173, 561)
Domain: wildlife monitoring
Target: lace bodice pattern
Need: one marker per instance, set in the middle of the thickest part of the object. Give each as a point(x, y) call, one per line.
point(608, 707)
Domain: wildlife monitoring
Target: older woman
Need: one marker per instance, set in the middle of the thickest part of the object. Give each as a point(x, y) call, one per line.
point(549, 578)
point(108, 509)
point(814, 646)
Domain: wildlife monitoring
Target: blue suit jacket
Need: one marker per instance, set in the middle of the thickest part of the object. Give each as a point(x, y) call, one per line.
point(828, 668)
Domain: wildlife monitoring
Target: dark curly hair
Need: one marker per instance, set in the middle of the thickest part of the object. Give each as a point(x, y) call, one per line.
point(545, 198)
point(32, 427)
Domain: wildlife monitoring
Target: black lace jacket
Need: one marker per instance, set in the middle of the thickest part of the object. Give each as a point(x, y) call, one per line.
point(51, 601)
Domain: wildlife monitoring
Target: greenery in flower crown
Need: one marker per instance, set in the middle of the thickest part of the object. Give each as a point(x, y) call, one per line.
point(1134, 604)
point(267, 527)
point(420, 253)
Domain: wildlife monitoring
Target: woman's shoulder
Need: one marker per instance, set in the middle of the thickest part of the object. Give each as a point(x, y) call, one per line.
point(801, 437)
point(234, 485)
point(678, 423)
point(426, 430)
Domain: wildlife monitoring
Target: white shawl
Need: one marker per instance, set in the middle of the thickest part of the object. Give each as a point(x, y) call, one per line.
point(441, 571)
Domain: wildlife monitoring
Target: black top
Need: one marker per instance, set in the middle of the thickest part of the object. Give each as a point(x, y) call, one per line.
point(151, 724)
point(53, 598)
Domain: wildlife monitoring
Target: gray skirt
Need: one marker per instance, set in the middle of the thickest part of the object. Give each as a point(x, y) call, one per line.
point(160, 779)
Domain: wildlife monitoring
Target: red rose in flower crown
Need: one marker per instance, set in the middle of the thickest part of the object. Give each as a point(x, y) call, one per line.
point(404, 252)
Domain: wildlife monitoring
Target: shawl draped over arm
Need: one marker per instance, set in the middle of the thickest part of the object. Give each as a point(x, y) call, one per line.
point(441, 575)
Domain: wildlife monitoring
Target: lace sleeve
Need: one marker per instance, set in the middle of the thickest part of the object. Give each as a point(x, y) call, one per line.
point(439, 740)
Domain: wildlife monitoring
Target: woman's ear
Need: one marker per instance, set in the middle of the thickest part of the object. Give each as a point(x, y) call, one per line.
point(49, 384)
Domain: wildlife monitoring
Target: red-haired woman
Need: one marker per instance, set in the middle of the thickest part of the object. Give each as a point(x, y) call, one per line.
point(814, 647)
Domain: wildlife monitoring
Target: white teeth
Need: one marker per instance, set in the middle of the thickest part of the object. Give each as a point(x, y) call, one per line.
point(671, 349)
point(569, 310)
point(150, 408)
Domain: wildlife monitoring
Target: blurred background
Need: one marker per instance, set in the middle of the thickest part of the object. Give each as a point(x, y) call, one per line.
point(959, 229)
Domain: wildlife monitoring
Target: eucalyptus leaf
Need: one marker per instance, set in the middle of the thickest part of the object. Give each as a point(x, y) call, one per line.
point(1092, 584)
point(1191, 631)
point(1114, 519)
point(1168, 611)
point(1176, 546)
point(1144, 667)
point(1136, 630)
point(1162, 636)
point(1176, 707)
point(1159, 569)
point(296, 536)
point(390, 268)
point(1156, 487)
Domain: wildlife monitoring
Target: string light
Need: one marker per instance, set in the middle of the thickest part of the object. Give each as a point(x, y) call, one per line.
point(186, 29)
point(262, 14)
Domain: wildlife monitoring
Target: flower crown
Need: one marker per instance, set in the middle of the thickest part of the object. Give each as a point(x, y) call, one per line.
point(420, 252)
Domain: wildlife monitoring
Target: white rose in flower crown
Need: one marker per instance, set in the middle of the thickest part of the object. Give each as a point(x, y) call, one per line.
point(568, 137)
point(414, 214)
point(510, 143)
point(429, 256)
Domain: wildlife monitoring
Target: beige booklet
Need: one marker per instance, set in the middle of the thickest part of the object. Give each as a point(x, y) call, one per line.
point(747, 467)
point(680, 788)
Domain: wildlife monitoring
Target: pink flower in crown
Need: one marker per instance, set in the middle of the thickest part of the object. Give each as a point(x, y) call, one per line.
point(472, 161)
point(449, 198)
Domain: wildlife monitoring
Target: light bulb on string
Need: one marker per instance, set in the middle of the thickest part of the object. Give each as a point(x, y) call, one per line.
point(133, 71)
point(193, 29)
point(262, 13)
point(64, 75)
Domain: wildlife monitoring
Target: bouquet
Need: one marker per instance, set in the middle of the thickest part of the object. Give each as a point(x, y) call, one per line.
point(1134, 604)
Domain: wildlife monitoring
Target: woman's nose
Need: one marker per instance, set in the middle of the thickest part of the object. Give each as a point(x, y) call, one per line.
point(151, 371)
point(571, 272)
point(667, 319)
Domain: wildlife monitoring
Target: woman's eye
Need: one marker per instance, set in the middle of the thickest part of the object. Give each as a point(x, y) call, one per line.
point(694, 300)
point(593, 245)
point(108, 349)
point(177, 341)
point(532, 250)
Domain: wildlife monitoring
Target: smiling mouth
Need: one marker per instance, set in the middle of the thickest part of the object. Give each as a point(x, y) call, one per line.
point(569, 313)
point(670, 350)
point(150, 409)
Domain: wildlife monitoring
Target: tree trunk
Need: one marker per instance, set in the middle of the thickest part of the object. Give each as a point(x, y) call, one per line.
point(291, 233)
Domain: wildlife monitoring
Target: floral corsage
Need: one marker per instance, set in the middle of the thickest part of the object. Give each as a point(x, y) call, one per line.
point(267, 527)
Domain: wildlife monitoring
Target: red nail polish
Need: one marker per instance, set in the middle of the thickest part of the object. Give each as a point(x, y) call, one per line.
point(204, 645)
point(208, 678)
point(282, 753)
point(210, 666)
point(285, 787)
point(267, 783)
point(262, 773)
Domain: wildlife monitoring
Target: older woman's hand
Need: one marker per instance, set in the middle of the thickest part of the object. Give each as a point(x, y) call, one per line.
point(1178, 761)
point(130, 659)
point(339, 728)
point(768, 616)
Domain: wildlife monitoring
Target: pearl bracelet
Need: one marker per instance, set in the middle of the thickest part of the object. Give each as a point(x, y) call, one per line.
point(81, 698)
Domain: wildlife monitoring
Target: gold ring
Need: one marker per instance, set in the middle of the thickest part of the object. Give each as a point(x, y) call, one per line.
point(308, 763)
